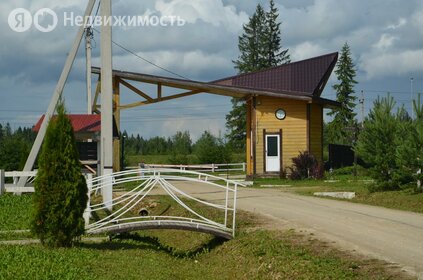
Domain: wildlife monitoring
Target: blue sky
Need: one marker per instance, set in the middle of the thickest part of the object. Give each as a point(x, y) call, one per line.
point(386, 38)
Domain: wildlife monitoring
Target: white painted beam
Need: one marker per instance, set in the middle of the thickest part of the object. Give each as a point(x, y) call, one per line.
point(88, 49)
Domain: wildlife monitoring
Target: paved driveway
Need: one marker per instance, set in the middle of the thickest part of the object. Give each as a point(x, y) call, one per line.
point(391, 235)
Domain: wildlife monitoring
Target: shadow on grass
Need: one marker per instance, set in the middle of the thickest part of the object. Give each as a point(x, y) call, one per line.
point(137, 241)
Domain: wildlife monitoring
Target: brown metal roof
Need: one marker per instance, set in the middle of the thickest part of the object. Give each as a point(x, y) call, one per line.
point(302, 80)
point(303, 77)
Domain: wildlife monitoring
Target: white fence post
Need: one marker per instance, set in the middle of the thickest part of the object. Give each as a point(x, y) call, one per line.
point(244, 167)
point(87, 212)
point(2, 186)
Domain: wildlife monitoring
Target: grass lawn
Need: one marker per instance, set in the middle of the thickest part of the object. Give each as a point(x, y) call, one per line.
point(403, 199)
point(164, 159)
point(255, 253)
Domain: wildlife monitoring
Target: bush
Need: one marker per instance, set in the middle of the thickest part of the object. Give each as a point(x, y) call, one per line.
point(60, 195)
point(305, 166)
point(178, 159)
point(349, 170)
point(210, 149)
point(318, 171)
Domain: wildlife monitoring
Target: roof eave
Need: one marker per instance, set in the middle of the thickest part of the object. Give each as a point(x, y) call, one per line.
point(204, 87)
point(326, 103)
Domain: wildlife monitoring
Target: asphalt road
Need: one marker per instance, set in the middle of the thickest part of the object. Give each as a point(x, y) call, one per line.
point(391, 235)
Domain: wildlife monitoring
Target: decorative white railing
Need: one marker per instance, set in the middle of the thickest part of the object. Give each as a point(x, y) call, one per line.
point(145, 182)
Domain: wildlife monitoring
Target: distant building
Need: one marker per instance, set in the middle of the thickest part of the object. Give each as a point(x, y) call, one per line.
point(87, 130)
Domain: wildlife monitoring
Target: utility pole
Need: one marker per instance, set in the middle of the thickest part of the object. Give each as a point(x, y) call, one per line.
point(412, 97)
point(88, 51)
point(106, 102)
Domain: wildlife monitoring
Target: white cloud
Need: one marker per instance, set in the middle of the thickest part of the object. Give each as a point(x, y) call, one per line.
point(417, 20)
point(401, 22)
point(190, 63)
point(385, 42)
point(395, 63)
point(209, 11)
point(306, 50)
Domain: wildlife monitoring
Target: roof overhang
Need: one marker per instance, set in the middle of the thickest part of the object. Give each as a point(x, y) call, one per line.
point(204, 87)
point(326, 103)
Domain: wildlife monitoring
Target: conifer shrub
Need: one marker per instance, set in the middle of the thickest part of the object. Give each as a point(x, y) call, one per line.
point(60, 188)
point(392, 145)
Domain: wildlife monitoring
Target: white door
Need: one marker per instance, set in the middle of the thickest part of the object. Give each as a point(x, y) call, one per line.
point(273, 153)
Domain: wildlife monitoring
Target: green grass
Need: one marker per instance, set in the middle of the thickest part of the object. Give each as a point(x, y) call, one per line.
point(254, 255)
point(167, 254)
point(164, 159)
point(402, 200)
point(15, 212)
point(148, 159)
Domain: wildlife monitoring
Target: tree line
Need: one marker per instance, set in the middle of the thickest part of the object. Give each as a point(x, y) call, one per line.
point(207, 149)
point(15, 146)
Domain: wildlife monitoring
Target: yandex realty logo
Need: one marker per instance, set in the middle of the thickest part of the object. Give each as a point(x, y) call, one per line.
point(44, 20)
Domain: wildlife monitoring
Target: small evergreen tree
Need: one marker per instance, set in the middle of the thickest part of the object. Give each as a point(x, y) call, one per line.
point(60, 189)
point(409, 152)
point(340, 128)
point(376, 144)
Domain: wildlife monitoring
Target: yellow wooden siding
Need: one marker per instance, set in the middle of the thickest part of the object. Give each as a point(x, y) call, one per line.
point(294, 128)
point(249, 152)
point(316, 123)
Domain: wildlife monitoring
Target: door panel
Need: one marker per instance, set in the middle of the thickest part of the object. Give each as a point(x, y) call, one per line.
point(273, 152)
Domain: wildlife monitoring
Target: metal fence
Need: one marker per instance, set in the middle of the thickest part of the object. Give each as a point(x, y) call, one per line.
point(214, 167)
